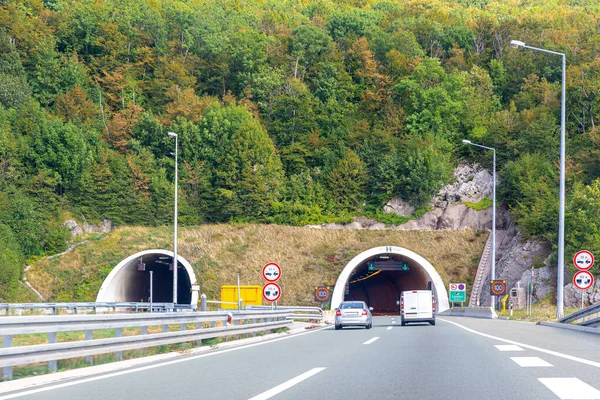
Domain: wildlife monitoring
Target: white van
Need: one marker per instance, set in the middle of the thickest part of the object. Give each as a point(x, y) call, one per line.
point(417, 306)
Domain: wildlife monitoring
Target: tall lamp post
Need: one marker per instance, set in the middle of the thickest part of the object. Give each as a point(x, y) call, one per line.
point(175, 225)
point(561, 209)
point(493, 212)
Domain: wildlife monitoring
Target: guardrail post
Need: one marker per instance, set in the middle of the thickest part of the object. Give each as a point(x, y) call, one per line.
point(144, 332)
point(182, 327)
point(7, 372)
point(165, 328)
point(88, 336)
point(52, 365)
point(119, 333)
point(203, 302)
point(199, 326)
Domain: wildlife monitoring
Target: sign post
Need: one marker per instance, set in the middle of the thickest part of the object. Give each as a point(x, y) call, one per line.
point(583, 279)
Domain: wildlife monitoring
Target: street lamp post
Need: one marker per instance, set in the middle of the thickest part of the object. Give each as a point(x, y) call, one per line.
point(175, 227)
point(561, 209)
point(493, 212)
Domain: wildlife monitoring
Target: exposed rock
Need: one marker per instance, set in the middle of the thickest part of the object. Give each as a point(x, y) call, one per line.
point(74, 227)
point(471, 183)
point(459, 216)
point(573, 295)
point(427, 221)
point(77, 230)
point(399, 207)
point(378, 226)
point(515, 265)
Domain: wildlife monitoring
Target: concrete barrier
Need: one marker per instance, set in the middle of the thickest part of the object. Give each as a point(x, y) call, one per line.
point(471, 312)
point(562, 325)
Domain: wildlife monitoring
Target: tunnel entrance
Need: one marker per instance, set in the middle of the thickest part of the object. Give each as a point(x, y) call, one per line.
point(378, 276)
point(129, 281)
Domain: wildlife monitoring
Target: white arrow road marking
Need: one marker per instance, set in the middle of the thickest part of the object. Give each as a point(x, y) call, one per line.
point(540, 349)
point(286, 385)
point(371, 340)
point(570, 388)
point(508, 347)
point(531, 362)
point(389, 328)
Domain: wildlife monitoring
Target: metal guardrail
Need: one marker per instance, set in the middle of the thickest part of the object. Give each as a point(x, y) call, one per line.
point(582, 314)
point(92, 306)
point(298, 312)
point(234, 323)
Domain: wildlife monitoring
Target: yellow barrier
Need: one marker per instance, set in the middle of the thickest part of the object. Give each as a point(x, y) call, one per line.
point(250, 295)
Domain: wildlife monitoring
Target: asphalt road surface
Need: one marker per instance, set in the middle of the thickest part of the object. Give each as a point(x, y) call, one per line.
point(459, 358)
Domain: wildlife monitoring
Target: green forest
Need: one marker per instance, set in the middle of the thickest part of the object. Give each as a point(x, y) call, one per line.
point(288, 111)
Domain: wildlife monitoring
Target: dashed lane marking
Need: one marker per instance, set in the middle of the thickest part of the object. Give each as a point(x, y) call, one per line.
point(508, 347)
point(531, 362)
point(371, 340)
point(286, 385)
point(389, 328)
point(571, 388)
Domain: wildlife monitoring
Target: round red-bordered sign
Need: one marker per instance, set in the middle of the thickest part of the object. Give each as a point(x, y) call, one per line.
point(271, 292)
point(498, 288)
point(583, 280)
point(322, 293)
point(271, 272)
point(583, 260)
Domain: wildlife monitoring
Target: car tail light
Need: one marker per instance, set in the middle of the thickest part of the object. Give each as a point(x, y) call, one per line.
point(433, 305)
point(338, 313)
point(402, 306)
point(364, 312)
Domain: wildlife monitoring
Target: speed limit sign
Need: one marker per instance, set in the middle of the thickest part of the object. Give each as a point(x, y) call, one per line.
point(322, 294)
point(497, 287)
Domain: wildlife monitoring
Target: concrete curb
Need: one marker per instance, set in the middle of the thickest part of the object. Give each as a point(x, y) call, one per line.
point(471, 312)
point(587, 329)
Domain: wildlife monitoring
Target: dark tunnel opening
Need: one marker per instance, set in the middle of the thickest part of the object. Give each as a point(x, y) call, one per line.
point(133, 284)
point(379, 280)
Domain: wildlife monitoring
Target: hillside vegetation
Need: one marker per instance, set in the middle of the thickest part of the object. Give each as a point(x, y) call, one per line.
point(308, 257)
point(288, 112)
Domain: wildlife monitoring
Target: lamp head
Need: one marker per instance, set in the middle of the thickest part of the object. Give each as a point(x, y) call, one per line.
point(172, 134)
point(465, 141)
point(516, 44)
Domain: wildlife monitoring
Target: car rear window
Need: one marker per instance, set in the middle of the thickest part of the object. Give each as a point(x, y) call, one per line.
point(352, 305)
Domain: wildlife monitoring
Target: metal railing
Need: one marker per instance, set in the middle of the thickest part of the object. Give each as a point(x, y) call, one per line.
point(298, 312)
point(55, 308)
point(232, 323)
point(584, 315)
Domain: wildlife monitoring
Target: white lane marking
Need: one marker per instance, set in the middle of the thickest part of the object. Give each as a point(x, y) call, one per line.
point(371, 340)
point(570, 388)
point(389, 328)
point(286, 385)
point(531, 362)
point(393, 322)
point(164, 364)
point(540, 349)
point(508, 347)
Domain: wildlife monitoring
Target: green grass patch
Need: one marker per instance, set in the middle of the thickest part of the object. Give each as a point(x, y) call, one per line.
point(484, 204)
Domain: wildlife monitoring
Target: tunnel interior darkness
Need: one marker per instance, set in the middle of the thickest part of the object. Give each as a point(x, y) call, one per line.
point(130, 284)
point(380, 279)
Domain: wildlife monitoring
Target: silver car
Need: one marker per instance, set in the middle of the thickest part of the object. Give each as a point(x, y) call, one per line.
point(353, 313)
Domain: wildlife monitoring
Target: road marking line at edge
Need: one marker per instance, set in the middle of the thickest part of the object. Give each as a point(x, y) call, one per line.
point(371, 340)
point(531, 362)
point(27, 392)
point(286, 385)
point(570, 388)
point(551, 352)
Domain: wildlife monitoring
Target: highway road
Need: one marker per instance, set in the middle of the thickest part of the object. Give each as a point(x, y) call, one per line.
point(459, 358)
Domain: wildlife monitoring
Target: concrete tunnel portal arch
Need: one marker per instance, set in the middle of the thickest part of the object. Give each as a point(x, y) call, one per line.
point(125, 283)
point(378, 276)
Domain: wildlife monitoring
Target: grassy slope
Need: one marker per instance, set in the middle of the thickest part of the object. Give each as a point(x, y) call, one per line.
point(308, 257)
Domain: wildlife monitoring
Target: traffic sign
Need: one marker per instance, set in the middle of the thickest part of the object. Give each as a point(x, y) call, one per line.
point(271, 292)
point(497, 287)
point(271, 272)
point(583, 280)
point(322, 294)
point(458, 292)
point(583, 260)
